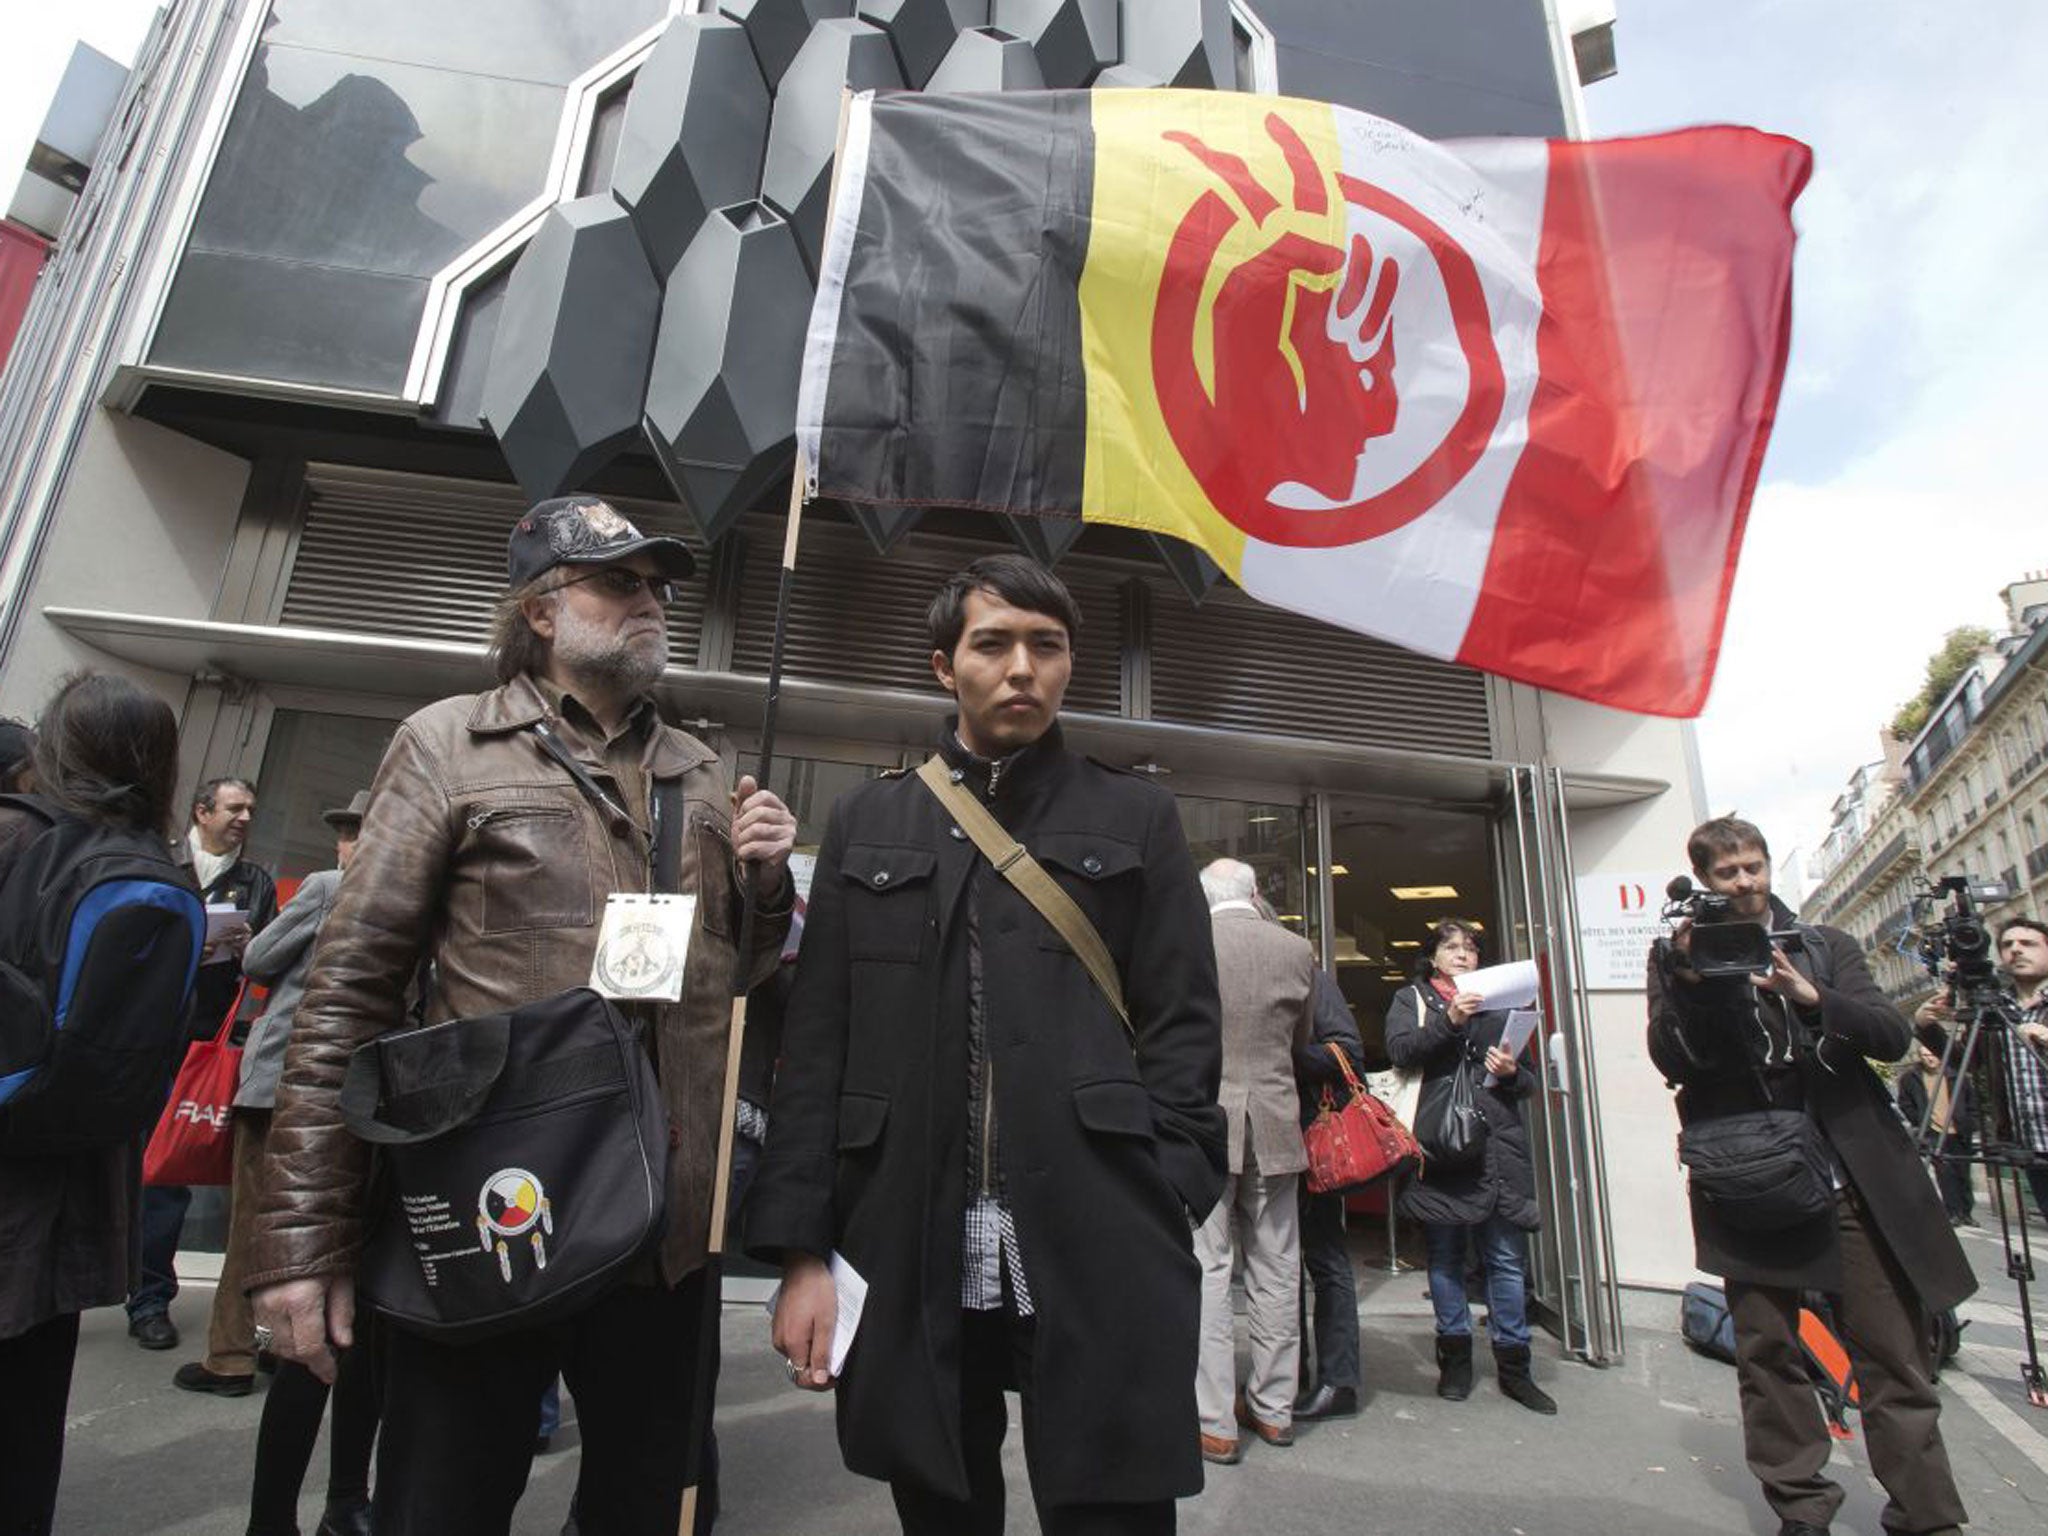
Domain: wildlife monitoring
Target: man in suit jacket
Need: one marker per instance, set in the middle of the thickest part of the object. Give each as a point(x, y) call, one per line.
point(1266, 977)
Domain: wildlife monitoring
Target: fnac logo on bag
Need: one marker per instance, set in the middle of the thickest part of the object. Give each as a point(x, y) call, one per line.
point(513, 1204)
point(213, 1115)
point(1284, 317)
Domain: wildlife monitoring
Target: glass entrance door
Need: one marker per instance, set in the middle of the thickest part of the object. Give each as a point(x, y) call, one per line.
point(1572, 1279)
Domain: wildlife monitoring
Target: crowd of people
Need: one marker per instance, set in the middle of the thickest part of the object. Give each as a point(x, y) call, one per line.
point(1033, 1077)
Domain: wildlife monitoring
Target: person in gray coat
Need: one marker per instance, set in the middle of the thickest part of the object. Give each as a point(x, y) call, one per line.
point(1267, 980)
point(279, 958)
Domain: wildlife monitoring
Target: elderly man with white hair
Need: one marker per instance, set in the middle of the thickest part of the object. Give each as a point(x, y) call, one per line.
point(1266, 976)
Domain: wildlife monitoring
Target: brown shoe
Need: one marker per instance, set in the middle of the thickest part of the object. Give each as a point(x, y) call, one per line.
point(1281, 1435)
point(1225, 1453)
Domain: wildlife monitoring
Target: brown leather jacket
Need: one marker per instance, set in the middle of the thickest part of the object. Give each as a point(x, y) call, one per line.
point(480, 851)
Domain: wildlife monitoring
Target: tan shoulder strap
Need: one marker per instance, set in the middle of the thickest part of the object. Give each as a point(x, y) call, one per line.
point(1015, 864)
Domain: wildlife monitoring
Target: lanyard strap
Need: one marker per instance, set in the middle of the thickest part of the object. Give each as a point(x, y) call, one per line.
point(665, 844)
point(1016, 865)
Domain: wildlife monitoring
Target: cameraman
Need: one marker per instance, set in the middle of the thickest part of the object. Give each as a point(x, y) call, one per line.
point(1859, 1221)
point(2023, 952)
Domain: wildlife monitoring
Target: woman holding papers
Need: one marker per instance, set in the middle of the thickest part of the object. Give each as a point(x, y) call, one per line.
point(1440, 1029)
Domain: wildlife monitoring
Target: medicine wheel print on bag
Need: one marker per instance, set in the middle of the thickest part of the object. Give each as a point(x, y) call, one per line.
point(1287, 307)
point(512, 1204)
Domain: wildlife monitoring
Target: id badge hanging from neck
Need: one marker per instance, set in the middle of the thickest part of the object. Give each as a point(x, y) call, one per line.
point(643, 947)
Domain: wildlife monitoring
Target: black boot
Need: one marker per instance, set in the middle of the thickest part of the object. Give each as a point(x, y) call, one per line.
point(1454, 1367)
point(1511, 1362)
point(345, 1516)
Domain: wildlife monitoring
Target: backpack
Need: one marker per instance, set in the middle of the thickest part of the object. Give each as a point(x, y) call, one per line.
point(1705, 1322)
point(100, 936)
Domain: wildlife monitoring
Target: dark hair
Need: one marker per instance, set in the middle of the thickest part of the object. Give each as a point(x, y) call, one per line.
point(516, 648)
point(17, 755)
point(107, 750)
point(1017, 580)
point(1722, 835)
point(1444, 928)
point(2033, 924)
point(208, 794)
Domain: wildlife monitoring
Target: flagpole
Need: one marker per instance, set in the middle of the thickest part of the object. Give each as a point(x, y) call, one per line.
point(702, 1380)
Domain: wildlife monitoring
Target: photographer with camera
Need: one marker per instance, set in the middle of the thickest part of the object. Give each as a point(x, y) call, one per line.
point(2023, 953)
point(1802, 1177)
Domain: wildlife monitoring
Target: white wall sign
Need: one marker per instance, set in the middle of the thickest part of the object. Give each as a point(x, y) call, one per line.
point(1617, 924)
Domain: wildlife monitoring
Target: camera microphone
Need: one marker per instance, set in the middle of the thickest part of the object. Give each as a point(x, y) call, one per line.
point(1679, 888)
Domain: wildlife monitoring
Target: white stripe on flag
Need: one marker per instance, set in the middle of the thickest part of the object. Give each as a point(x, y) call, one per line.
point(823, 332)
point(1417, 584)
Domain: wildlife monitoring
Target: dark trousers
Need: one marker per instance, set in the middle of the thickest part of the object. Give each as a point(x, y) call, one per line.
point(995, 1356)
point(1952, 1178)
point(292, 1410)
point(1327, 1278)
point(458, 1433)
point(163, 1220)
point(1784, 1435)
point(35, 1385)
point(2037, 1179)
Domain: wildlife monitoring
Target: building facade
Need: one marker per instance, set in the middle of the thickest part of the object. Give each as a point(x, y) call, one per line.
point(243, 464)
point(1967, 796)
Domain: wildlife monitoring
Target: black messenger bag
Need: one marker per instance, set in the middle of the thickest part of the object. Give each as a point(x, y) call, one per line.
point(1761, 1170)
point(524, 1164)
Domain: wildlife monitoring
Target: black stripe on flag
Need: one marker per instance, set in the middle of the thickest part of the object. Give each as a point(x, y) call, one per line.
point(956, 369)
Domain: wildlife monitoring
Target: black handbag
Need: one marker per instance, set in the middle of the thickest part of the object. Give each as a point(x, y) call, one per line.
point(1450, 1125)
point(1759, 1170)
point(523, 1164)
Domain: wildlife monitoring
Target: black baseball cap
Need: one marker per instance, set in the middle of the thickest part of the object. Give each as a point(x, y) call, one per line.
point(585, 530)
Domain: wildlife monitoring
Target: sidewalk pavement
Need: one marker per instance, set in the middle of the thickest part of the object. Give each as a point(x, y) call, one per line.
point(1650, 1445)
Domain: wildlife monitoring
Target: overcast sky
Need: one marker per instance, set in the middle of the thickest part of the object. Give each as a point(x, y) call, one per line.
point(1900, 490)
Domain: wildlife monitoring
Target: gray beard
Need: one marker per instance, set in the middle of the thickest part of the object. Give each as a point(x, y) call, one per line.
point(622, 670)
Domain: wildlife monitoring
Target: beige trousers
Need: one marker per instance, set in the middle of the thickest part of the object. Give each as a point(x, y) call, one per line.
point(1261, 1212)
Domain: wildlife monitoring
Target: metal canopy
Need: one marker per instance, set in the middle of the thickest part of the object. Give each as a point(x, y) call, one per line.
point(411, 672)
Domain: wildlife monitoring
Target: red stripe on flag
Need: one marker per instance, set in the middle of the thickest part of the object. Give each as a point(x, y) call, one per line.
point(1666, 274)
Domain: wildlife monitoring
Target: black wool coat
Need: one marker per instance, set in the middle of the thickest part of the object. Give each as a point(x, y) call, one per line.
point(1420, 1037)
point(1107, 1150)
point(1712, 1060)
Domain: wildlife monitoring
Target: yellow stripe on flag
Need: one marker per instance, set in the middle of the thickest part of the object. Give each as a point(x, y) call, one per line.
point(1160, 170)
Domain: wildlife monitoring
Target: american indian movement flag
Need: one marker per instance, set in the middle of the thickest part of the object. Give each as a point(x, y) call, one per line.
point(1501, 401)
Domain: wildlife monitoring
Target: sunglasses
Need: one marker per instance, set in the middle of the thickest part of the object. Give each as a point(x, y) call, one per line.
point(617, 581)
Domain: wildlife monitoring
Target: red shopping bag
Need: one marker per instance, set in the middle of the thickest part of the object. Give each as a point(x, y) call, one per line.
point(194, 1142)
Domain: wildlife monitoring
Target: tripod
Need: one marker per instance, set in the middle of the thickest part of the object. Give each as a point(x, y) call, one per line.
point(1985, 1045)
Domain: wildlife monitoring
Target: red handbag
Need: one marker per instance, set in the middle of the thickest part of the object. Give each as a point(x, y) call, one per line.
point(194, 1140)
point(1355, 1143)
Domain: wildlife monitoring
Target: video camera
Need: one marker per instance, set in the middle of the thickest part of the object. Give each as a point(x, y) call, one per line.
point(1958, 938)
point(1722, 943)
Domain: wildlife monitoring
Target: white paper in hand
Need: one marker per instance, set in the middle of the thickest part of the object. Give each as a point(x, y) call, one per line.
point(851, 1292)
point(1514, 1037)
point(1503, 986)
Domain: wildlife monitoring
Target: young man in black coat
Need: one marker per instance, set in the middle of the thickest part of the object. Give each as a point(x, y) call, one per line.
point(961, 1114)
point(1799, 1037)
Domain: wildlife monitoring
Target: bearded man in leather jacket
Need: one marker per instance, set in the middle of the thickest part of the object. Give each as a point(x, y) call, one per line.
point(1799, 1037)
point(483, 853)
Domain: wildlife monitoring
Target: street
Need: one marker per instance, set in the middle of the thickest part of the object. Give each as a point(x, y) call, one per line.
point(1650, 1445)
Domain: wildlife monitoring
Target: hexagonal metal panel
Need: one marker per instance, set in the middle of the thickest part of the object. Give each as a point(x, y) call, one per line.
point(1126, 77)
point(984, 59)
point(1182, 42)
point(721, 402)
point(840, 54)
point(1195, 571)
point(884, 526)
point(569, 364)
point(923, 30)
point(777, 28)
point(695, 131)
point(1074, 39)
point(1044, 539)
